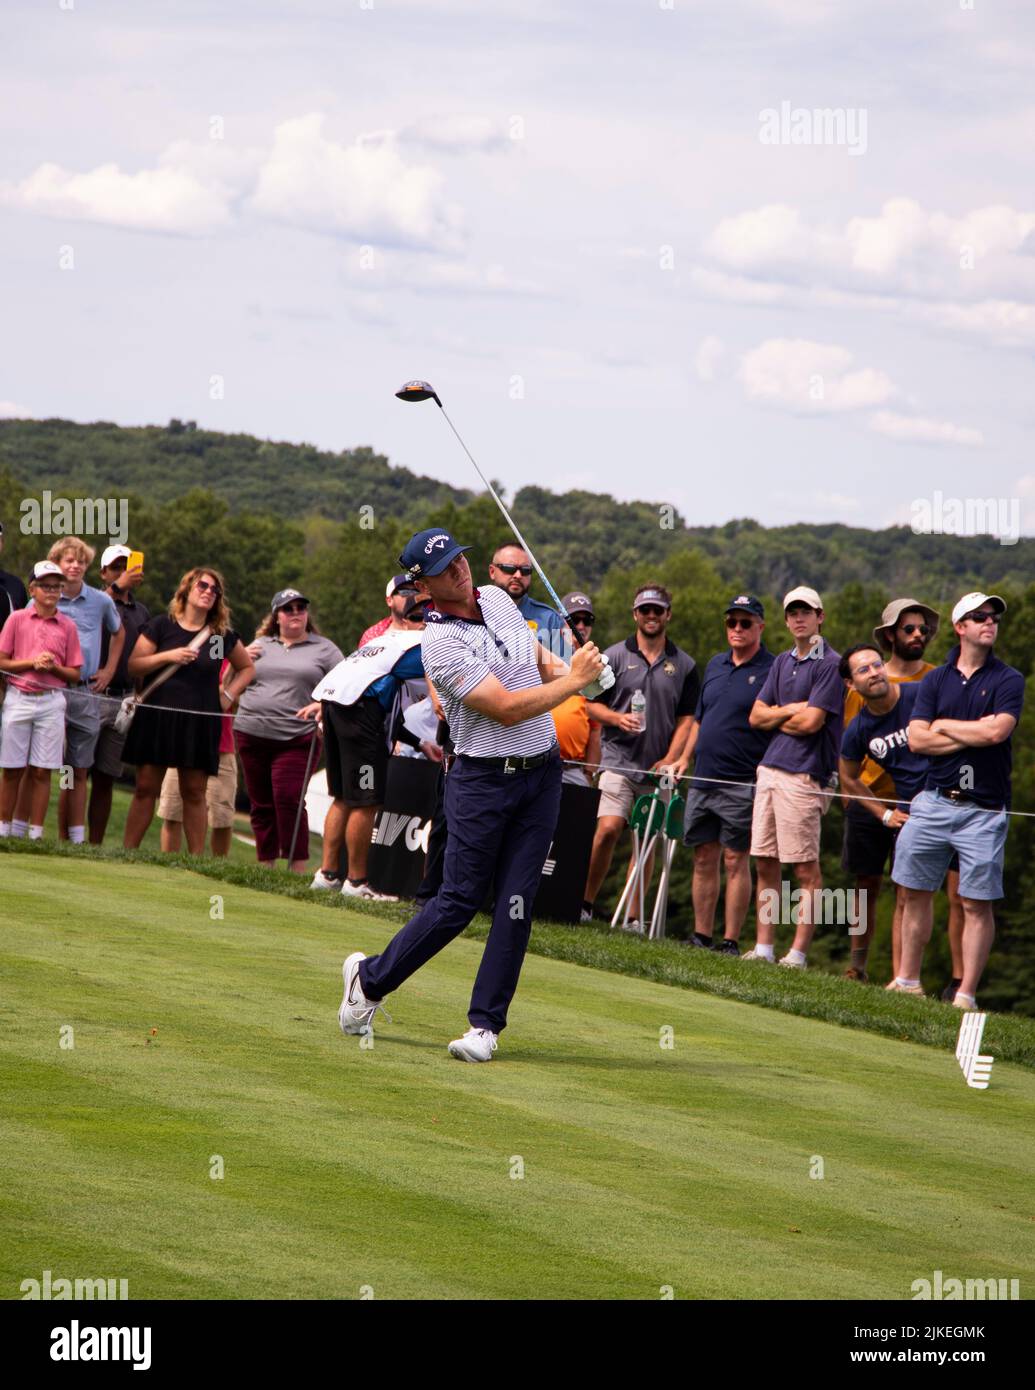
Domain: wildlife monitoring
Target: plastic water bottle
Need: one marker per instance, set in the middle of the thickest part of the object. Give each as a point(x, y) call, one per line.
point(638, 706)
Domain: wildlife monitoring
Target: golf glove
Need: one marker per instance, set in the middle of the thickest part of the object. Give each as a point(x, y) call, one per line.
point(603, 682)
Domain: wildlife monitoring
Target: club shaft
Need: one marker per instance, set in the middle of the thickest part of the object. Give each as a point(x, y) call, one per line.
point(558, 605)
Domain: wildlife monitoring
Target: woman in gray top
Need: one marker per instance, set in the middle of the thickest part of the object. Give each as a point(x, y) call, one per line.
point(274, 737)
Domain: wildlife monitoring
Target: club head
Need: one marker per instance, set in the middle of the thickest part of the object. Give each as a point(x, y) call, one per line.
point(418, 391)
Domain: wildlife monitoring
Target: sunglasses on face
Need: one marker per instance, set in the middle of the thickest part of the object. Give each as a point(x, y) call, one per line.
point(980, 617)
point(739, 622)
point(207, 588)
point(515, 569)
point(649, 611)
point(293, 608)
point(48, 588)
point(910, 628)
point(583, 619)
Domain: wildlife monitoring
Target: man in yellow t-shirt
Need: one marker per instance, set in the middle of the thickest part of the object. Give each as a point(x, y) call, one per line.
point(906, 628)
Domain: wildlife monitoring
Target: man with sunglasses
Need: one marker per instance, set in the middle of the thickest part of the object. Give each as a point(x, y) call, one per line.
point(578, 736)
point(725, 750)
point(963, 720)
point(511, 571)
point(651, 668)
point(904, 632)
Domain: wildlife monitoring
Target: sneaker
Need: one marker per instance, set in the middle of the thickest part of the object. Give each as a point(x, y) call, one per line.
point(364, 890)
point(699, 939)
point(905, 989)
point(854, 973)
point(755, 954)
point(634, 925)
point(476, 1045)
point(322, 880)
point(356, 1014)
point(791, 964)
point(949, 992)
point(728, 947)
point(963, 1001)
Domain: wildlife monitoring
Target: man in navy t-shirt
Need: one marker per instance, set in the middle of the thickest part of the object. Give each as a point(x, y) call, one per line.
point(880, 732)
point(726, 753)
point(802, 705)
point(965, 713)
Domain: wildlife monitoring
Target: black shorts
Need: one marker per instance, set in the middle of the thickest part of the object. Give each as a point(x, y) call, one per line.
point(868, 845)
point(357, 754)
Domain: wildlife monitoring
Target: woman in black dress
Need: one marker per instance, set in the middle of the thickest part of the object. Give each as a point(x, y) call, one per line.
point(161, 736)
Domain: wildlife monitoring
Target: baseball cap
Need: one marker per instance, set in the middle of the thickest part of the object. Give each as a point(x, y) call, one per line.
point(651, 595)
point(802, 594)
point(578, 603)
point(889, 619)
point(113, 553)
point(44, 567)
point(283, 596)
point(429, 552)
point(397, 582)
point(748, 602)
point(413, 602)
point(971, 601)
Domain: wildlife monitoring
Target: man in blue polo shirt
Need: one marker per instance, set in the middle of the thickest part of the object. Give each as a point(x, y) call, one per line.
point(725, 749)
point(497, 684)
point(878, 732)
point(801, 704)
point(963, 719)
point(511, 571)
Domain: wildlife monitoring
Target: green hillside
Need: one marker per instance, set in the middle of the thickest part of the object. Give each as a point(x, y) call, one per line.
point(588, 1160)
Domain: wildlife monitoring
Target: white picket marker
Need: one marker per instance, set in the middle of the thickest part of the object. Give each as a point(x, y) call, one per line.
point(976, 1067)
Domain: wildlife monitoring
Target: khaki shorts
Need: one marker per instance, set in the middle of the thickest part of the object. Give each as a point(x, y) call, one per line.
point(220, 795)
point(618, 792)
point(785, 823)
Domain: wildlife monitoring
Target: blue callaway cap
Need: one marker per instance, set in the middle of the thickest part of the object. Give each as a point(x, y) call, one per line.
point(429, 552)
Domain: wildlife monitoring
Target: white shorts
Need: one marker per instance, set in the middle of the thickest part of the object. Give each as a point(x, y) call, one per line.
point(32, 729)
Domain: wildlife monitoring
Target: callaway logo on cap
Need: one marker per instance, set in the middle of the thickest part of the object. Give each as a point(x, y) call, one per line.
point(431, 541)
point(436, 543)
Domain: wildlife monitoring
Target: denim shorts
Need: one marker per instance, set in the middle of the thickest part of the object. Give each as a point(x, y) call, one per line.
point(936, 830)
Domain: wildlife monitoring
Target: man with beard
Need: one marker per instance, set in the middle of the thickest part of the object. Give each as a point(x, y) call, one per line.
point(905, 630)
point(511, 571)
point(647, 716)
point(879, 736)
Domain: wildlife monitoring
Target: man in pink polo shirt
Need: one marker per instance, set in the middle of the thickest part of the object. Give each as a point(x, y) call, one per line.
point(40, 653)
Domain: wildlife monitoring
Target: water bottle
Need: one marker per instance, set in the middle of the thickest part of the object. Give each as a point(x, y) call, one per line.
point(638, 706)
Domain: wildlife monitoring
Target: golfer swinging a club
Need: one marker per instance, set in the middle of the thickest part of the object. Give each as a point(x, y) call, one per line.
point(497, 685)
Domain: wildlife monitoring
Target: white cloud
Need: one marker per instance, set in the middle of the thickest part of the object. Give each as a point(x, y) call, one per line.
point(970, 274)
point(365, 191)
point(916, 429)
point(457, 134)
point(190, 192)
point(10, 411)
point(709, 354)
point(805, 377)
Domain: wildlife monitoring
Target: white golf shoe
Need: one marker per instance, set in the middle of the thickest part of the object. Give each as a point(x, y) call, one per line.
point(320, 880)
point(476, 1045)
point(364, 890)
point(356, 1014)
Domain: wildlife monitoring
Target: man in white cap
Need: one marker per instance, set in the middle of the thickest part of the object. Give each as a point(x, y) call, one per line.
point(802, 703)
point(965, 714)
point(399, 592)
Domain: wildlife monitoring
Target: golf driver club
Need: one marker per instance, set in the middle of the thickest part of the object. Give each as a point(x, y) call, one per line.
point(423, 391)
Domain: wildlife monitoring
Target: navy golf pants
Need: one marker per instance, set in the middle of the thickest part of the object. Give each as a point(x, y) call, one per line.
point(500, 828)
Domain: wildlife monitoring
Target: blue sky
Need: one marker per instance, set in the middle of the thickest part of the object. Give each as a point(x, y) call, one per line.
point(561, 214)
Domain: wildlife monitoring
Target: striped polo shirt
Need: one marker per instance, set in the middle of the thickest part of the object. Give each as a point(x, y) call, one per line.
point(460, 652)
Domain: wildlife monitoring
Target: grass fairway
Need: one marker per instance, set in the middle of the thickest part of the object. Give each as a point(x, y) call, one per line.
point(390, 1168)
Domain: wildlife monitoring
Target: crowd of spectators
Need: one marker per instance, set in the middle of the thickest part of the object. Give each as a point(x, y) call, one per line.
point(759, 745)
